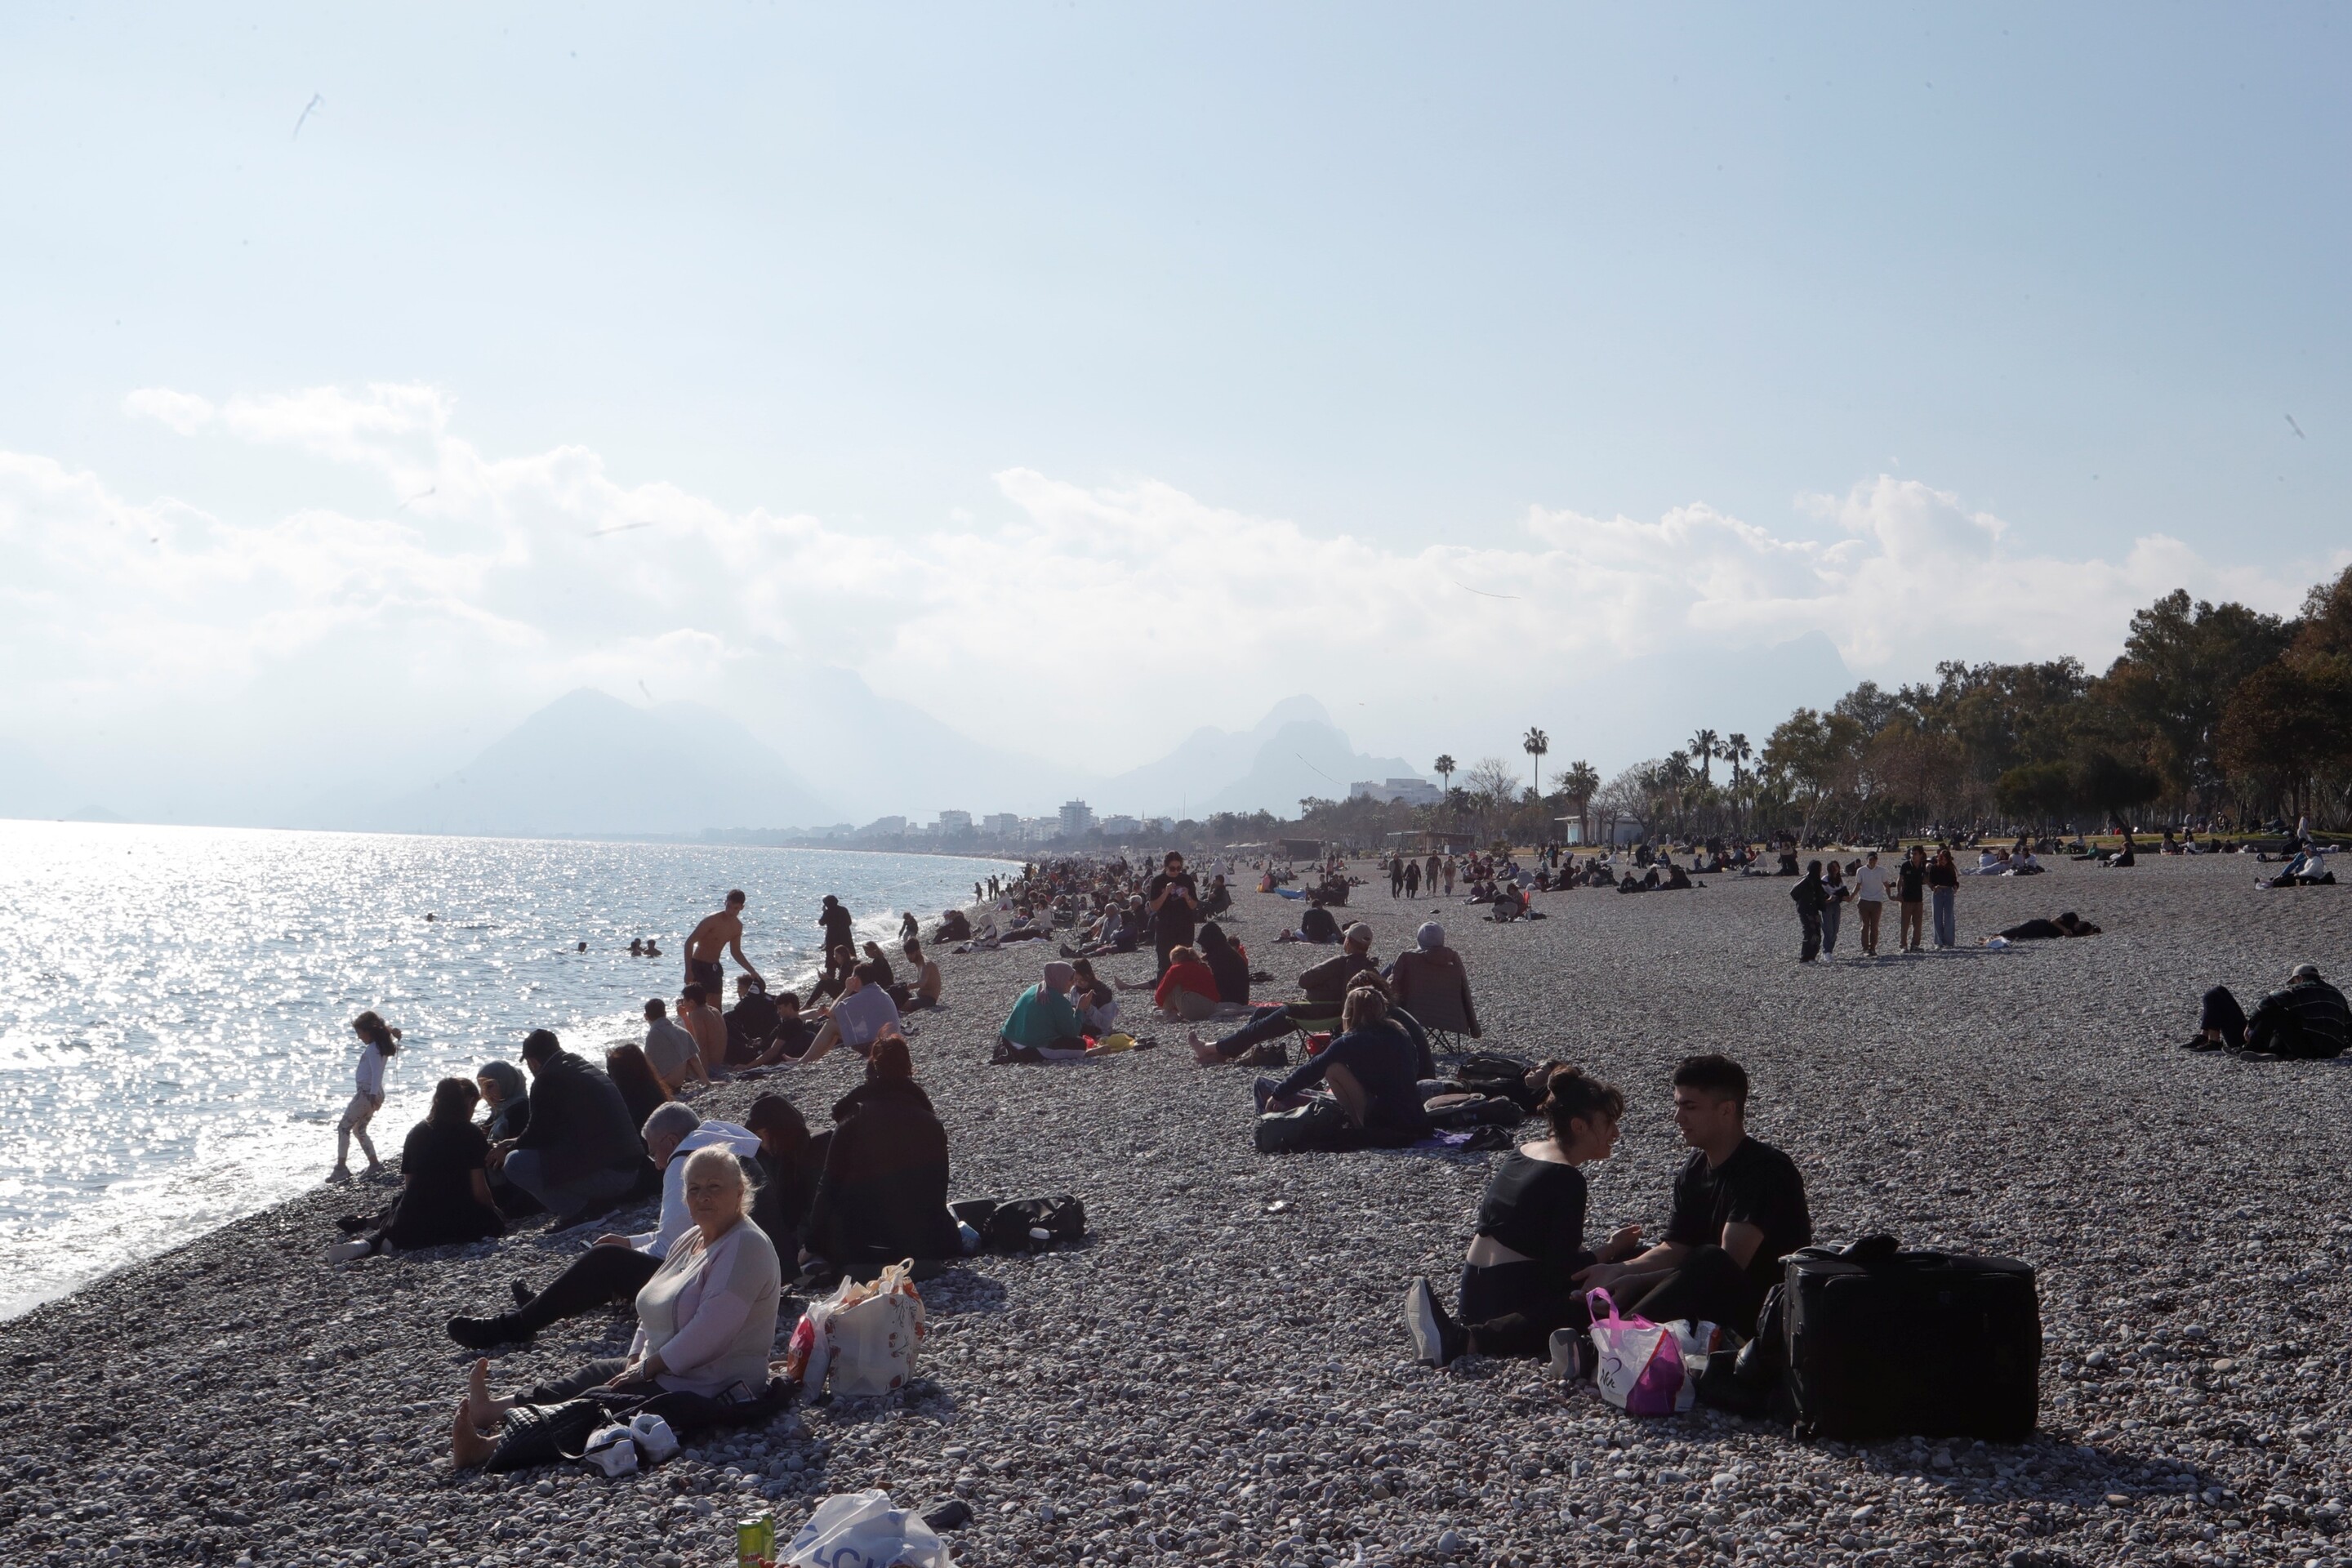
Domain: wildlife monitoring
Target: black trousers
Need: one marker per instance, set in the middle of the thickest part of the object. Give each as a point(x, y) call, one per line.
point(1707, 1286)
point(2222, 1012)
point(1812, 919)
point(1272, 1022)
point(1513, 1308)
point(597, 1278)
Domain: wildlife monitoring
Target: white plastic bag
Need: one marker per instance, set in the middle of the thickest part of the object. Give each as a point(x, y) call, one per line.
point(863, 1530)
point(1642, 1369)
point(863, 1339)
point(611, 1452)
point(653, 1435)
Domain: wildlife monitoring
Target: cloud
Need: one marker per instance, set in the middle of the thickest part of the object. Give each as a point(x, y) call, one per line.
point(1095, 624)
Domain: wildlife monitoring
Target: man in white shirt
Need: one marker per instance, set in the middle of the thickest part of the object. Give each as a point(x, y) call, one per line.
point(856, 1020)
point(1870, 897)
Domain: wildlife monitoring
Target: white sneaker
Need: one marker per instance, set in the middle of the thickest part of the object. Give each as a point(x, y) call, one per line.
point(348, 1251)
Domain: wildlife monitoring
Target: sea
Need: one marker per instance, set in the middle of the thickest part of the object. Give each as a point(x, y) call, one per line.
point(175, 1003)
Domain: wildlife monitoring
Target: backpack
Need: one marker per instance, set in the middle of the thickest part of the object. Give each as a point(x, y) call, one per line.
point(1061, 1218)
point(1320, 1124)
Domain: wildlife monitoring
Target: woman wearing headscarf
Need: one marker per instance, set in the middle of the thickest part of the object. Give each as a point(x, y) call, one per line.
point(883, 1194)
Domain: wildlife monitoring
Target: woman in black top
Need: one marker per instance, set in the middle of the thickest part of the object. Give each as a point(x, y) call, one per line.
point(445, 1194)
point(633, 1075)
point(1518, 1281)
point(883, 1192)
point(1230, 969)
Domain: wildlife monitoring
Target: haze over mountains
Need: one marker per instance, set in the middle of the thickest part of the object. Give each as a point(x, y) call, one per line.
point(589, 764)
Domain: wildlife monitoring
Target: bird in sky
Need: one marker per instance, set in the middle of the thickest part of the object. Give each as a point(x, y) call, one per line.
point(1481, 592)
point(617, 528)
point(646, 689)
point(316, 99)
point(2296, 428)
point(419, 496)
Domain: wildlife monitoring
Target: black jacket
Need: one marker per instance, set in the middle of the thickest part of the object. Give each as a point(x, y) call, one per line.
point(2305, 1020)
point(579, 1123)
point(1810, 896)
point(883, 1195)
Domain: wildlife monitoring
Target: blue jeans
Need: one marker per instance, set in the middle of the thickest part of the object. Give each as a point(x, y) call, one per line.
point(566, 1198)
point(1946, 927)
point(1831, 913)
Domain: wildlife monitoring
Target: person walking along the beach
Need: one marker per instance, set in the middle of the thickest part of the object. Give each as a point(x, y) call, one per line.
point(1869, 899)
point(719, 933)
point(1810, 896)
point(1412, 879)
point(1834, 893)
point(378, 1044)
point(1911, 896)
point(1396, 876)
point(1173, 897)
point(1944, 887)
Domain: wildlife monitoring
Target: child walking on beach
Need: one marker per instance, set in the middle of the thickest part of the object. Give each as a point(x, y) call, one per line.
point(378, 1044)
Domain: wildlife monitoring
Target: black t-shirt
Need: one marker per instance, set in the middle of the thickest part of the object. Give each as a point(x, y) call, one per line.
point(1535, 1207)
point(1231, 970)
point(1909, 881)
point(1758, 1186)
point(1176, 918)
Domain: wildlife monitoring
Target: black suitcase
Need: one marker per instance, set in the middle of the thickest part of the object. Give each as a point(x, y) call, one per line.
point(1886, 1343)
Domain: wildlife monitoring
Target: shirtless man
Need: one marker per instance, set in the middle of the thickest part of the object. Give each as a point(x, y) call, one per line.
point(700, 1017)
point(716, 935)
point(926, 974)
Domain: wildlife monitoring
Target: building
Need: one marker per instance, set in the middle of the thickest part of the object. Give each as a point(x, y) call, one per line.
point(955, 825)
point(1077, 819)
point(1413, 791)
point(1120, 826)
point(1001, 824)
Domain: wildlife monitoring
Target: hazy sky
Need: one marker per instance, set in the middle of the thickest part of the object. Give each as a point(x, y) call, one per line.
point(1085, 373)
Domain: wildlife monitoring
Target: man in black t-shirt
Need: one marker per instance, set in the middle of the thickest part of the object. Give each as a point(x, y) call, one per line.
point(1739, 1208)
point(1173, 900)
point(1911, 897)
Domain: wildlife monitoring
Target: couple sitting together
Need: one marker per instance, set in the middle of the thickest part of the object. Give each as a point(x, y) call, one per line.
point(1738, 1208)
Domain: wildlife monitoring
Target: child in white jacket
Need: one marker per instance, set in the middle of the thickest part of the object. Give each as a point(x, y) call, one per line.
point(379, 1043)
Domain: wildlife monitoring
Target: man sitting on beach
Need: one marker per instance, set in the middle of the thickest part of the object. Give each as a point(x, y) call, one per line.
point(863, 1013)
point(1325, 986)
point(751, 1025)
point(580, 1155)
point(928, 987)
point(671, 1051)
point(1738, 1208)
point(698, 1015)
point(2308, 1020)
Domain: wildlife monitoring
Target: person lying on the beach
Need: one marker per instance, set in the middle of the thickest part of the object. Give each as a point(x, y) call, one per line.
point(617, 1267)
point(706, 1323)
point(1325, 986)
point(2307, 1020)
point(1518, 1278)
point(445, 1194)
point(2067, 924)
point(1738, 1208)
point(1369, 1069)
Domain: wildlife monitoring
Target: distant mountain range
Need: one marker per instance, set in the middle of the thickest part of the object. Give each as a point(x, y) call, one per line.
point(588, 763)
point(1293, 753)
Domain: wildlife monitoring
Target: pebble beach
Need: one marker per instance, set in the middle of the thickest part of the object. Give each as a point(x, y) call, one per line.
point(1220, 1373)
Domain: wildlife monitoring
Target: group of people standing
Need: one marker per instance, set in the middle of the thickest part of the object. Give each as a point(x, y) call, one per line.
point(1917, 882)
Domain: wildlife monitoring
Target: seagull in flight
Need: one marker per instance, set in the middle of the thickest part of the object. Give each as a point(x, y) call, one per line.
point(316, 99)
point(419, 496)
point(1481, 592)
point(646, 689)
point(2296, 428)
point(617, 528)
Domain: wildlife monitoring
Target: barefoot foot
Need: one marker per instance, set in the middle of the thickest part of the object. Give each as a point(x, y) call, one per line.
point(479, 1408)
point(466, 1446)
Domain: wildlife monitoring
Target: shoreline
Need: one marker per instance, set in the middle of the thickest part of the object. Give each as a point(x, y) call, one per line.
point(1205, 1366)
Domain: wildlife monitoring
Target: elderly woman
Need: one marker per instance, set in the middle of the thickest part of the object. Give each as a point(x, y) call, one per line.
point(617, 1267)
point(706, 1323)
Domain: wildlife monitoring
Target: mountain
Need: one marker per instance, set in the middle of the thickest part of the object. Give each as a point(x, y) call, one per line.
point(589, 764)
point(1294, 751)
point(877, 754)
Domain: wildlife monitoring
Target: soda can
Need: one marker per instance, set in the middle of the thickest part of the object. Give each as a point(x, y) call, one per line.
point(755, 1542)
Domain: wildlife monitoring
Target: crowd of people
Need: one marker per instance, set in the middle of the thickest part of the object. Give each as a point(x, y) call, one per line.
point(748, 1211)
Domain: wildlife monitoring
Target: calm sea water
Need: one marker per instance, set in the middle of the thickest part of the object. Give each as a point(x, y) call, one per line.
point(175, 1004)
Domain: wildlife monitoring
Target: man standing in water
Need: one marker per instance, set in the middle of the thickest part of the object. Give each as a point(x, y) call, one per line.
point(717, 934)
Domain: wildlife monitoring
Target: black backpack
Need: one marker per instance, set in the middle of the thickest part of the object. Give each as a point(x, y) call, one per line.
point(1317, 1124)
point(1879, 1343)
point(1511, 1077)
point(1004, 1226)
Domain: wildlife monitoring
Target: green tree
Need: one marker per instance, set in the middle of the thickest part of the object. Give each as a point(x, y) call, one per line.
point(1704, 747)
point(1535, 745)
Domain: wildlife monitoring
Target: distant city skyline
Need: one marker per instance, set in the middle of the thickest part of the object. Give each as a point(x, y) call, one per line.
point(1013, 394)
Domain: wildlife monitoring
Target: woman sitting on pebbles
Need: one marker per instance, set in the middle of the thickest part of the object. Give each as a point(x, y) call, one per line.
point(445, 1194)
point(1519, 1282)
point(883, 1192)
point(706, 1323)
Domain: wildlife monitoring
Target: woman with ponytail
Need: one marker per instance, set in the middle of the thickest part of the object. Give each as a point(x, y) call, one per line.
point(1518, 1283)
point(378, 1044)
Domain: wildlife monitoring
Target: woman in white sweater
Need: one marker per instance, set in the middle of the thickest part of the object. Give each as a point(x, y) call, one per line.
point(706, 1321)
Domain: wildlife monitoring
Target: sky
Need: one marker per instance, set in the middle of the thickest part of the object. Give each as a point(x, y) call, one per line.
point(1083, 374)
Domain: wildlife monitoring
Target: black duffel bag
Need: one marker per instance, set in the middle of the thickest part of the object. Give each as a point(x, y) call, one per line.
point(1885, 1343)
point(1317, 1125)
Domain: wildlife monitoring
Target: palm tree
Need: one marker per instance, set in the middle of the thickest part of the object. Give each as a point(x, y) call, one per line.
point(1535, 745)
point(1444, 769)
point(1736, 751)
point(1703, 747)
point(1580, 783)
